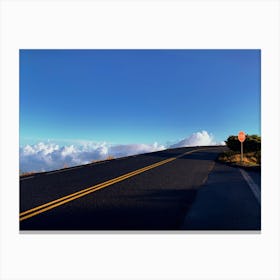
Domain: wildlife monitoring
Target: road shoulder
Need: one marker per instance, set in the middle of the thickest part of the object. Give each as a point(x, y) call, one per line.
point(224, 202)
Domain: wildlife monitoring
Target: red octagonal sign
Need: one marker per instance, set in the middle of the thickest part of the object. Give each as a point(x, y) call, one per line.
point(241, 136)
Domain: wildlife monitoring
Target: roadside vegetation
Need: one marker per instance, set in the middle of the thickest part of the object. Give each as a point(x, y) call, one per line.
point(99, 160)
point(251, 151)
point(25, 174)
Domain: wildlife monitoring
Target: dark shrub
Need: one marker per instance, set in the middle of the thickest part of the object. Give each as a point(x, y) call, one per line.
point(251, 144)
point(258, 157)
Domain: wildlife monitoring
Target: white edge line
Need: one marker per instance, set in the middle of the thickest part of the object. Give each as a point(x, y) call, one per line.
point(253, 186)
point(29, 177)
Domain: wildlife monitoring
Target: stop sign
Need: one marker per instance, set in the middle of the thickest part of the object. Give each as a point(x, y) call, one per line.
point(241, 136)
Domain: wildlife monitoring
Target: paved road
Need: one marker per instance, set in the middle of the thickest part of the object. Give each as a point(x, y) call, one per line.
point(226, 202)
point(157, 197)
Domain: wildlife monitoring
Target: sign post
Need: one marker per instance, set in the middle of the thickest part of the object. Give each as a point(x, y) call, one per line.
point(241, 138)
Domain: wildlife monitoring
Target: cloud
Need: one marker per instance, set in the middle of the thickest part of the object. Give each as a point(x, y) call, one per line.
point(46, 156)
point(202, 138)
point(50, 156)
point(132, 149)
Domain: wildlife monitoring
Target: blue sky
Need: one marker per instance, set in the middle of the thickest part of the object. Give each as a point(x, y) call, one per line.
point(137, 96)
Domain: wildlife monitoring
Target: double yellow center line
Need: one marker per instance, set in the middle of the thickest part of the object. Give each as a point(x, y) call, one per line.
point(65, 199)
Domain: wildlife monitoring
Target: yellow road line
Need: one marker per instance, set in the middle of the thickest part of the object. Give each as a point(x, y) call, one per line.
point(123, 177)
point(52, 204)
point(55, 203)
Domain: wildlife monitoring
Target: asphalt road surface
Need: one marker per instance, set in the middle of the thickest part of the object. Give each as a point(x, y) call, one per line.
point(154, 191)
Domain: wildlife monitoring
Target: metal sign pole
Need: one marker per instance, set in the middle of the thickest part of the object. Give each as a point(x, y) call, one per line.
point(241, 138)
point(241, 151)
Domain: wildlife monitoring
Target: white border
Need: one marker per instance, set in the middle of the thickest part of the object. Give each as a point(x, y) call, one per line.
point(140, 24)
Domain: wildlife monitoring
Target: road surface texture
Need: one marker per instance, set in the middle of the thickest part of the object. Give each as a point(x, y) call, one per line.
point(225, 203)
point(175, 189)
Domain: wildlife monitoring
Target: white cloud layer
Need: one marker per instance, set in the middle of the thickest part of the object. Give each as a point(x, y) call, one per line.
point(50, 156)
point(202, 138)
